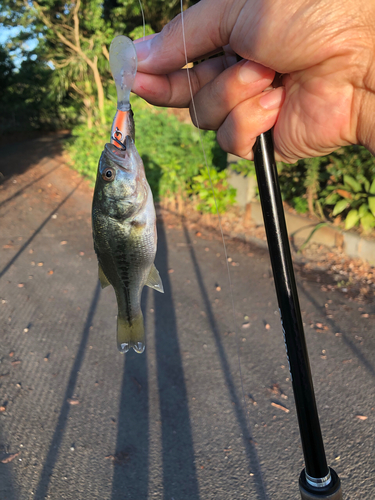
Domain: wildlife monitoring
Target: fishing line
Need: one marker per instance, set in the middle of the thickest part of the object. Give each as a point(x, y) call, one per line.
point(143, 20)
point(217, 212)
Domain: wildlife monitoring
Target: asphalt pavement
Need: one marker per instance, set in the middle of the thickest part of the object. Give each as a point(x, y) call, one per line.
point(80, 421)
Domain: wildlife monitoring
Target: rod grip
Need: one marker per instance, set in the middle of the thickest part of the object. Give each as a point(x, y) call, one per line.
point(332, 492)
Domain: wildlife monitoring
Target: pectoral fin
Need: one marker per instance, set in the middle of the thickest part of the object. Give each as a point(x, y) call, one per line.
point(102, 278)
point(154, 280)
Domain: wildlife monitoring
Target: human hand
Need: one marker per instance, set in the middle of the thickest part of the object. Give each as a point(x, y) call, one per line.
point(324, 50)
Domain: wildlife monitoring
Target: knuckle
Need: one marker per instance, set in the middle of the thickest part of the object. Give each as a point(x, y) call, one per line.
point(172, 28)
point(194, 80)
point(196, 118)
point(224, 140)
point(221, 93)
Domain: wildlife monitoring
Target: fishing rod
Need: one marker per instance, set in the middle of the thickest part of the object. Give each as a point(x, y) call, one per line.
point(317, 480)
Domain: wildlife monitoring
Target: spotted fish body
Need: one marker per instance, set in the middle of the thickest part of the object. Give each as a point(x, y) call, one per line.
point(124, 230)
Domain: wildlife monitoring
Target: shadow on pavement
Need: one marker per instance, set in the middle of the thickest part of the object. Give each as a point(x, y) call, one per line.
point(36, 232)
point(54, 447)
point(20, 191)
point(34, 152)
point(179, 471)
point(357, 352)
point(130, 478)
point(130, 475)
point(7, 490)
point(251, 452)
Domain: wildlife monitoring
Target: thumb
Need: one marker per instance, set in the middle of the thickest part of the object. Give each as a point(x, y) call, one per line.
point(206, 29)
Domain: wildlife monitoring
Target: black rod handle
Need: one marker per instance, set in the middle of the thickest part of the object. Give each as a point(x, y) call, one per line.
point(317, 478)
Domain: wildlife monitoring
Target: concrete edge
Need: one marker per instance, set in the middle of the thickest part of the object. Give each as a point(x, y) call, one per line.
point(299, 228)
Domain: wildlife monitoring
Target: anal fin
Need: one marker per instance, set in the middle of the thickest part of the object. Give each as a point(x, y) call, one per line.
point(154, 280)
point(102, 278)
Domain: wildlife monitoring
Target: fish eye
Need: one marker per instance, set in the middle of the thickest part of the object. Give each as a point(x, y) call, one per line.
point(108, 174)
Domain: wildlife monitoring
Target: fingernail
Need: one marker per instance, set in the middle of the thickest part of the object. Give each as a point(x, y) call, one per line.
point(273, 99)
point(251, 72)
point(143, 49)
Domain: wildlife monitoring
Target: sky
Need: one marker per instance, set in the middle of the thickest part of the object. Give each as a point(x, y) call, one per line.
point(6, 33)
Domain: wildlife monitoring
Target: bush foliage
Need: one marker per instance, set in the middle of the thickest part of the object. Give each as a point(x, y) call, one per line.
point(340, 185)
point(171, 152)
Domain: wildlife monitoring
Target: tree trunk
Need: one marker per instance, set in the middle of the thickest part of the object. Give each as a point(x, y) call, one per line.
point(310, 199)
point(99, 89)
point(88, 107)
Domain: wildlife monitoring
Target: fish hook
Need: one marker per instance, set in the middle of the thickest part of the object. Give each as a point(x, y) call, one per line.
point(114, 138)
point(123, 147)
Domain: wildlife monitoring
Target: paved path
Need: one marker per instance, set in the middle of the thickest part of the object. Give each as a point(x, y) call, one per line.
point(89, 423)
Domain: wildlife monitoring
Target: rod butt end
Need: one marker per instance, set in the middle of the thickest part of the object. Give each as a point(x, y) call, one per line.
point(330, 492)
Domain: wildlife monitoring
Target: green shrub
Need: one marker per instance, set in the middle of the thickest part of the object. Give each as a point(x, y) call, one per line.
point(341, 184)
point(244, 167)
point(171, 150)
point(356, 198)
point(212, 191)
point(292, 184)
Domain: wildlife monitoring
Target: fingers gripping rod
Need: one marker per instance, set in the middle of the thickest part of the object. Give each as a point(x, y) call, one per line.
point(317, 480)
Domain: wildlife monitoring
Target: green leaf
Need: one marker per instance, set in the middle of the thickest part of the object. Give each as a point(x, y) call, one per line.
point(371, 204)
point(332, 199)
point(356, 186)
point(340, 207)
point(372, 188)
point(351, 219)
point(363, 210)
point(368, 222)
point(364, 181)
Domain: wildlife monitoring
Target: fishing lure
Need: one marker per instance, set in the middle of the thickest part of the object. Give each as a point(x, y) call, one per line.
point(123, 212)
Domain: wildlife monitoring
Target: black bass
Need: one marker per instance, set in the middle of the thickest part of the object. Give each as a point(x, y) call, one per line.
point(124, 230)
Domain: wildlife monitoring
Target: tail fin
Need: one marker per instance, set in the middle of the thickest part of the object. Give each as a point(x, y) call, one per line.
point(131, 334)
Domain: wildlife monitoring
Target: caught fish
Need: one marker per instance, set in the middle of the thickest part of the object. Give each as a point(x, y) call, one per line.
point(124, 229)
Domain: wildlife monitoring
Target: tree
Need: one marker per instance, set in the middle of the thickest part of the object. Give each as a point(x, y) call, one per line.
point(75, 38)
point(6, 70)
point(126, 15)
point(26, 101)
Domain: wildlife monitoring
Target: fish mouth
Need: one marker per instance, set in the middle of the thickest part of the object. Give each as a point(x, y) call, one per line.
point(118, 155)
